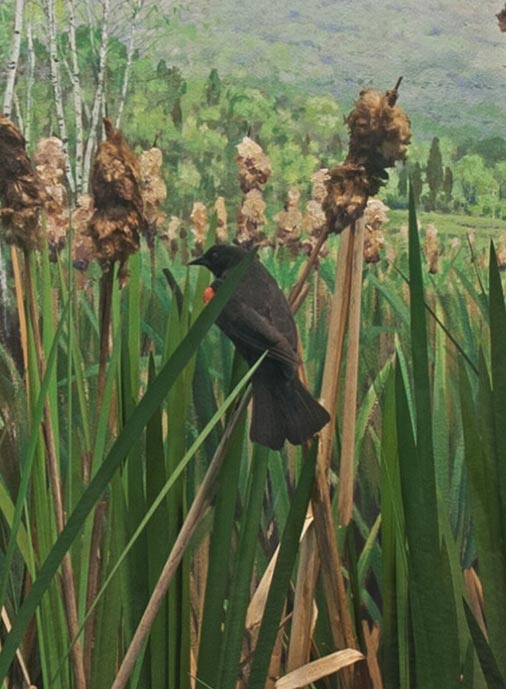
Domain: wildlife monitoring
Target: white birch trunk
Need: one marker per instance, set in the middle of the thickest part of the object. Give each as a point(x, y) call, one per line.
point(56, 82)
point(99, 95)
point(77, 96)
point(137, 7)
point(13, 58)
point(17, 110)
point(29, 86)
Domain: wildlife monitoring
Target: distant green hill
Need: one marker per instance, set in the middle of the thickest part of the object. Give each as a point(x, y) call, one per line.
point(451, 54)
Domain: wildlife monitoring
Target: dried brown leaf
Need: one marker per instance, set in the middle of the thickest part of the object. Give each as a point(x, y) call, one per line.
point(323, 667)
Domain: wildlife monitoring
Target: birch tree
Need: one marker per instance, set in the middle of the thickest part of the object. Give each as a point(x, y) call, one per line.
point(49, 6)
point(29, 85)
point(134, 24)
point(13, 58)
point(99, 94)
point(77, 95)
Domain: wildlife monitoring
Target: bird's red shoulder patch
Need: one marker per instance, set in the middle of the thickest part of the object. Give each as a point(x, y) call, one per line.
point(208, 294)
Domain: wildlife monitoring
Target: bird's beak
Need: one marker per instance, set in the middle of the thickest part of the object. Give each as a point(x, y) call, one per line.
point(200, 261)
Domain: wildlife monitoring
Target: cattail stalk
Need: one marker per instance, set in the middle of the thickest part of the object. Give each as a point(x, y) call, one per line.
point(68, 586)
point(346, 471)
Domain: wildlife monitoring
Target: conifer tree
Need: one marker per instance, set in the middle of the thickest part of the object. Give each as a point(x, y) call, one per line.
point(434, 172)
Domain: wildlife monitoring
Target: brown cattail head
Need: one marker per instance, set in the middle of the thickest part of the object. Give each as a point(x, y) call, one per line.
point(314, 218)
point(173, 234)
point(21, 190)
point(379, 135)
point(375, 216)
point(119, 217)
point(153, 190)
point(220, 209)
point(83, 246)
point(349, 187)
point(254, 166)
point(199, 227)
point(431, 248)
point(501, 19)
point(501, 252)
point(380, 131)
point(50, 163)
point(289, 222)
point(251, 220)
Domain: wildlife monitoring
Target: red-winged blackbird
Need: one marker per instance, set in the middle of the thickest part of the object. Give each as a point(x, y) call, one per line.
point(258, 318)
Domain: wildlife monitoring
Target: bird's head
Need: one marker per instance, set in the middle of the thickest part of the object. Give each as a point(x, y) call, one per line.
point(219, 258)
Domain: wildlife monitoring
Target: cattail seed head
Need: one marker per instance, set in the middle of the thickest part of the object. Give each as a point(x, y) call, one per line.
point(199, 226)
point(50, 163)
point(21, 190)
point(119, 217)
point(221, 220)
point(153, 190)
point(379, 135)
point(83, 246)
point(254, 166)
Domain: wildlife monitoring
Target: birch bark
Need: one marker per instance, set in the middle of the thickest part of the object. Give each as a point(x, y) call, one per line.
point(29, 86)
point(49, 6)
point(77, 96)
point(99, 94)
point(13, 58)
point(137, 7)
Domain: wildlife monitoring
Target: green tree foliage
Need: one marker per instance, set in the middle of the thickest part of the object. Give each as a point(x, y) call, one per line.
point(213, 89)
point(448, 184)
point(492, 149)
point(323, 127)
point(475, 180)
point(434, 172)
point(402, 186)
point(174, 88)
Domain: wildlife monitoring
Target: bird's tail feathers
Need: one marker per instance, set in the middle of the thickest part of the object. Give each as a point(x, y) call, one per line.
point(304, 416)
point(285, 411)
point(268, 421)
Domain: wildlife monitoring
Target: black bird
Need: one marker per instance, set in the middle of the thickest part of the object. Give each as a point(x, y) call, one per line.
point(258, 318)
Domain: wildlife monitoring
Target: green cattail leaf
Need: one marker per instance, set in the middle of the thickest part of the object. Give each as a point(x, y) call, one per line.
point(135, 425)
point(281, 578)
point(488, 662)
point(241, 580)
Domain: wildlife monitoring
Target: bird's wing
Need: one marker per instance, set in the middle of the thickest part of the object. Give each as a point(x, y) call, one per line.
point(253, 333)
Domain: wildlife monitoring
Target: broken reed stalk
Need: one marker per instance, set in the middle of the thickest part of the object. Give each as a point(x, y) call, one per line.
point(335, 343)
point(194, 517)
point(347, 455)
point(297, 288)
point(304, 618)
point(20, 305)
point(326, 552)
point(67, 580)
point(22, 665)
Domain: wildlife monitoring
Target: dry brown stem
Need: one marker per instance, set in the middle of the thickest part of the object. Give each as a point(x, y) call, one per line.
point(346, 471)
